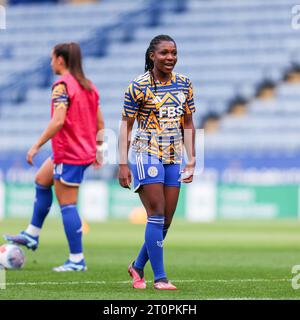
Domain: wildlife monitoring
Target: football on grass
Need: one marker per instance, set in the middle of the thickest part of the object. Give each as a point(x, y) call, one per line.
point(11, 256)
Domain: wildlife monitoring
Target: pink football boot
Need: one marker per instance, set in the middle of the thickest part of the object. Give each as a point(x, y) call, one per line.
point(160, 285)
point(137, 282)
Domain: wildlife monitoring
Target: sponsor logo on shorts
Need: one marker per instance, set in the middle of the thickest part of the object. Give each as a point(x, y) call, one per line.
point(59, 168)
point(152, 171)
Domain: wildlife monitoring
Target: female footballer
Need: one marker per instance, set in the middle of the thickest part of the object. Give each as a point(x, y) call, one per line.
point(162, 101)
point(75, 121)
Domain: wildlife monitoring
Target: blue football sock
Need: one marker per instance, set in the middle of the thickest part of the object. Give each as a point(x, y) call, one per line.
point(143, 257)
point(154, 244)
point(42, 205)
point(72, 225)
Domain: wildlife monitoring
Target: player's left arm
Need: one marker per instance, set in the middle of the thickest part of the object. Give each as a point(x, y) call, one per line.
point(189, 144)
point(100, 127)
point(189, 135)
point(99, 139)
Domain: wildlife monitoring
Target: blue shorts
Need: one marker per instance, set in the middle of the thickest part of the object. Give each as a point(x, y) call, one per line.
point(69, 174)
point(148, 169)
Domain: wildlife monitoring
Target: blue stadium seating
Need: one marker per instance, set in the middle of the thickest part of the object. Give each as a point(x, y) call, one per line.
point(225, 47)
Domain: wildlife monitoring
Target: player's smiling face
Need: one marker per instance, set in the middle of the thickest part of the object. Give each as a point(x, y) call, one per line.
point(164, 57)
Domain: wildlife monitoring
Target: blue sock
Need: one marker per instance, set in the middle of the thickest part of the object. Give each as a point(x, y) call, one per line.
point(143, 257)
point(42, 205)
point(154, 244)
point(72, 225)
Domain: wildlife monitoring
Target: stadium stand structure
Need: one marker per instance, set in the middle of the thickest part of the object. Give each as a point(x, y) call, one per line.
point(225, 47)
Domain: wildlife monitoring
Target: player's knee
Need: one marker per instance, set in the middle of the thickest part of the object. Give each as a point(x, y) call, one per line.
point(66, 202)
point(155, 214)
point(65, 198)
point(40, 180)
point(156, 209)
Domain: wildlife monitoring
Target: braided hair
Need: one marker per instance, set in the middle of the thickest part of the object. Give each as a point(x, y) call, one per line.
point(149, 65)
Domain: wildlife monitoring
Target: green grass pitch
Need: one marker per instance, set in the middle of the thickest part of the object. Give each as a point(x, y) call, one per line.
point(222, 260)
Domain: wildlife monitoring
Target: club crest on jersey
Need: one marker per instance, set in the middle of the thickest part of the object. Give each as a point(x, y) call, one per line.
point(152, 172)
point(181, 97)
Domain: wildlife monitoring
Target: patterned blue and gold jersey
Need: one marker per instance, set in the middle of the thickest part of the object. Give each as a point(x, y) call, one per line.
point(159, 114)
point(60, 96)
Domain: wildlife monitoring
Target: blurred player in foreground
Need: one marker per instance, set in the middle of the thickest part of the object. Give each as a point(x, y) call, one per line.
point(162, 101)
point(75, 121)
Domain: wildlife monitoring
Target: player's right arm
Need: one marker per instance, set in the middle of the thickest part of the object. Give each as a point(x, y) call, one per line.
point(124, 144)
point(100, 127)
point(133, 97)
point(61, 102)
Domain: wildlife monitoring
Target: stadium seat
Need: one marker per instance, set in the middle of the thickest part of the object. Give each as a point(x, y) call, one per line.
point(251, 40)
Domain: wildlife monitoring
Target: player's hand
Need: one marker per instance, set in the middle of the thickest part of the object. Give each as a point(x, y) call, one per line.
point(188, 172)
point(31, 153)
point(98, 163)
point(124, 176)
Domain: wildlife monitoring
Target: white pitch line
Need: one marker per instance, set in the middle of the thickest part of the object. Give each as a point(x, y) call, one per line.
point(243, 298)
point(126, 282)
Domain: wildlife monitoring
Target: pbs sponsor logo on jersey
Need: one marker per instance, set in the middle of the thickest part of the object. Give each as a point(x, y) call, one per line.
point(173, 111)
point(11, 256)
